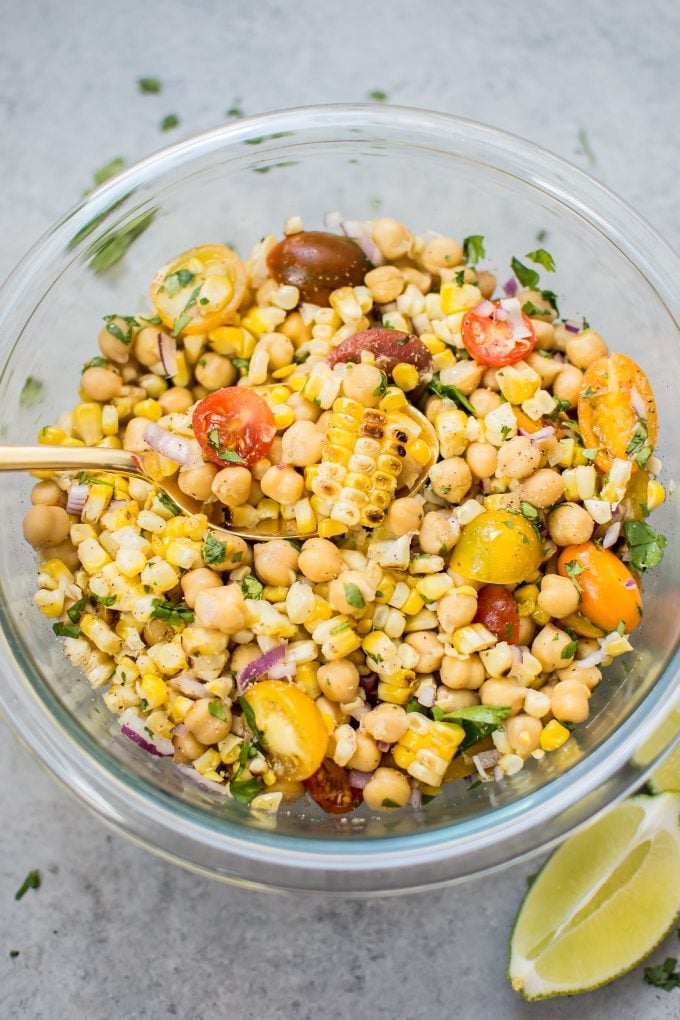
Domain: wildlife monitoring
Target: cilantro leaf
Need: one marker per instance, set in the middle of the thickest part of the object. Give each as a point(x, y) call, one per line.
point(551, 297)
point(216, 708)
point(646, 545)
point(112, 247)
point(573, 569)
point(473, 248)
point(381, 388)
point(459, 278)
point(97, 362)
point(32, 881)
point(174, 282)
point(245, 790)
point(533, 311)
point(109, 170)
point(251, 588)
point(478, 721)
point(168, 503)
point(228, 456)
point(378, 96)
point(149, 85)
point(528, 510)
point(114, 329)
point(66, 630)
point(250, 718)
point(31, 392)
point(542, 258)
point(75, 611)
point(527, 277)
point(354, 596)
point(214, 551)
point(569, 651)
point(176, 613)
point(171, 120)
point(451, 392)
point(664, 976)
point(638, 447)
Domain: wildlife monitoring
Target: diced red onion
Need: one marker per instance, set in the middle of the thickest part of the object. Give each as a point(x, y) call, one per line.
point(572, 327)
point(498, 774)
point(518, 329)
point(188, 685)
point(485, 759)
point(545, 433)
point(351, 228)
point(133, 727)
point(116, 504)
point(167, 443)
point(359, 779)
point(180, 730)
point(629, 583)
point(203, 781)
point(383, 745)
point(517, 654)
point(370, 249)
point(510, 287)
point(559, 357)
point(638, 403)
point(594, 659)
point(611, 536)
point(283, 670)
point(416, 799)
point(500, 315)
point(389, 306)
point(259, 667)
point(484, 309)
point(332, 220)
point(77, 498)
point(167, 349)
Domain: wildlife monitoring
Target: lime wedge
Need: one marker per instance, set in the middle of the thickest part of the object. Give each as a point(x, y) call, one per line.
point(667, 775)
point(601, 903)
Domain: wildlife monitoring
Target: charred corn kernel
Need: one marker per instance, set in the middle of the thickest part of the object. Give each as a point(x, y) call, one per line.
point(182, 376)
point(393, 399)
point(148, 408)
point(459, 299)
point(526, 597)
point(518, 382)
point(87, 421)
point(331, 529)
point(153, 690)
point(97, 501)
point(433, 587)
point(283, 373)
point(427, 748)
point(208, 762)
point(405, 376)
point(553, 735)
point(100, 634)
point(472, 638)
point(413, 604)
point(275, 593)
point(656, 494)
point(396, 687)
point(49, 602)
point(49, 435)
point(92, 555)
point(54, 573)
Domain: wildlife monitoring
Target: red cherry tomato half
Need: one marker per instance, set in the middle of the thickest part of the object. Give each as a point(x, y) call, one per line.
point(330, 788)
point(489, 340)
point(390, 347)
point(497, 610)
point(234, 426)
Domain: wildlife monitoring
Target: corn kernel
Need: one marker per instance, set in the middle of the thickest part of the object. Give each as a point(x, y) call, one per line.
point(330, 529)
point(50, 603)
point(87, 421)
point(413, 604)
point(100, 634)
point(518, 382)
point(49, 435)
point(459, 299)
point(92, 555)
point(182, 376)
point(153, 690)
point(148, 408)
point(392, 400)
point(553, 735)
point(208, 762)
point(405, 376)
point(179, 708)
point(656, 494)
point(473, 638)
point(433, 587)
point(275, 593)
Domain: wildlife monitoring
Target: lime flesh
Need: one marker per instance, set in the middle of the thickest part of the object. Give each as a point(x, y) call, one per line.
point(667, 775)
point(602, 902)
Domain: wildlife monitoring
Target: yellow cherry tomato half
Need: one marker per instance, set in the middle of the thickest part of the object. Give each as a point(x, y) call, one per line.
point(294, 734)
point(199, 290)
point(617, 411)
point(609, 593)
point(497, 547)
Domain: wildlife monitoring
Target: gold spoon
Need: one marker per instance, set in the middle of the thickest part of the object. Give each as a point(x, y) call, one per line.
point(96, 458)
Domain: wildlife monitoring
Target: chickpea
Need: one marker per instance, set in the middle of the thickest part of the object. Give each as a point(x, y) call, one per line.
point(545, 334)
point(301, 444)
point(386, 722)
point(507, 693)
point(452, 701)
point(558, 596)
point(146, 345)
point(111, 346)
point(101, 383)
point(64, 551)
point(490, 380)
point(484, 400)
point(587, 347)
point(451, 479)
point(551, 647)
point(518, 458)
point(456, 609)
point(222, 609)
point(305, 410)
point(339, 680)
point(363, 383)
point(341, 592)
point(332, 710)
point(232, 485)
point(568, 384)
point(46, 525)
point(423, 281)
point(280, 349)
point(283, 484)
point(439, 532)
point(462, 674)
point(441, 252)
point(47, 493)
point(392, 238)
point(547, 368)
point(235, 552)
point(194, 637)
point(385, 284)
point(570, 524)
point(429, 648)
point(242, 655)
point(524, 734)
point(569, 701)
point(187, 747)
point(387, 788)
point(320, 560)
point(527, 629)
point(134, 440)
point(214, 371)
point(405, 514)
point(276, 562)
point(295, 329)
point(367, 756)
point(464, 375)
point(482, 459)
point(176, 400)
point(195, 581)
point(543, 488)
point(197, 481)
point(546, 310)
point(589, 676)
point(205, 726)
point(486, 282)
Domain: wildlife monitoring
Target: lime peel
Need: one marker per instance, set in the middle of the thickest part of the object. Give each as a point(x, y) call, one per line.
point(602, 901)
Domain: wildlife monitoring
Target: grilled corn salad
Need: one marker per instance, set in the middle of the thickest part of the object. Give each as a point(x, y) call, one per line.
point(467, 477)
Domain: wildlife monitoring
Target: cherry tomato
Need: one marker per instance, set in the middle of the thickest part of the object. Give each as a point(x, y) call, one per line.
point(605, 598)
point(617, 411)
point(390, 347)
point(489, 340)
point(330, 788)
point(317, 263)
point(497, 610)
point(497, 547)
point(294, 734)
point(200, 289)
point(233, 426)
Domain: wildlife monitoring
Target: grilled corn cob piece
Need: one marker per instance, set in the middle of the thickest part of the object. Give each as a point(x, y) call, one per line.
point(427, 748)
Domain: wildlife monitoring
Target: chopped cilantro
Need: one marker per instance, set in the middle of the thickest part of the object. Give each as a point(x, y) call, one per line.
point(376, 658)
point(534, 312)
point(551, 297)
point(97, 362)
point(588, 392)
point(234, 111)
point(251, 588)
point(646, 545)
point(176, 613)
point(340, 627)
point(104, 600)
point(174, 282)
point(478, 721)
point(527, 277)
point(214, 551)
point(180, 322)
point(109, 170)
point(171, 120)
point(451, 392)
point(144, 705)
point(250, 718)
point(505, 431)
point(31, 392)
point(243, 363)
point(573, 569)
point(620, 628)
point(354, 596)
point(664, 976)
point(378, 96)
point(168, 503)
point(387, 802)
point(473, 248)
point(542, 258)
point(13, 953)
point(638, 447)
point(528, 511)
point(228, 456)
point(149, 85)
point(560, 406)
point(112, 247)
point(75, 611)
point(216, 708)
point(114, 329)
point(584, 147)
point(66, 630)
point(32, 881)
point(381, 388)
point(245, 790)
point(459, 278)
point(569, 651)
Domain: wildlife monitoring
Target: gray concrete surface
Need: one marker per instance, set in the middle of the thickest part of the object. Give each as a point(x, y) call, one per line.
point(113, 932)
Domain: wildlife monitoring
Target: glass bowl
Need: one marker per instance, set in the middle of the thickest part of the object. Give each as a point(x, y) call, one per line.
point(234, 185)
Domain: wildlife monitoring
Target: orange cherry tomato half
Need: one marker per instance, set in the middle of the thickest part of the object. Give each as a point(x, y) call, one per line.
point(294, 735)
point(497, 547)
point(199, 290)
point(609, 593)
point(234, 426)
point(617, 411)
point(497, 611)
point(330, 788)
point(489, 340)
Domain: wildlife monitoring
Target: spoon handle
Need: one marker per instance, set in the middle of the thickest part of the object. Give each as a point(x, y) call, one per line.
point(67, 458)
